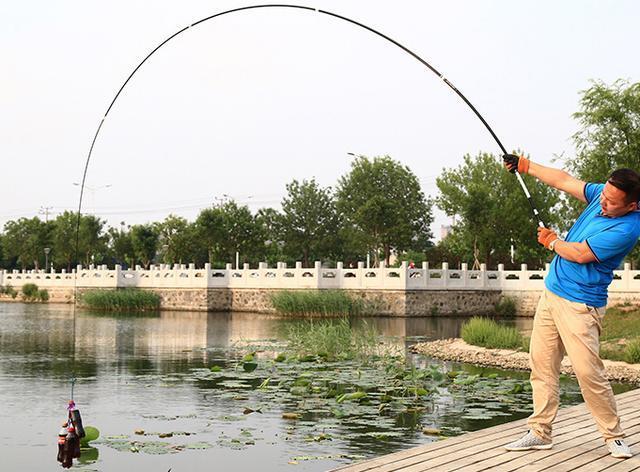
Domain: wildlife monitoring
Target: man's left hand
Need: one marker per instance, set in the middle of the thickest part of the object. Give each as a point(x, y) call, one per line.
point(546, 236)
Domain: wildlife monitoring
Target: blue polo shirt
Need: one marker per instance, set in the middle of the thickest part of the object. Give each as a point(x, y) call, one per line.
point(610, 240)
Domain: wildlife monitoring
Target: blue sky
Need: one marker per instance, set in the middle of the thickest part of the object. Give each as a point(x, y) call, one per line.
point(242, 105)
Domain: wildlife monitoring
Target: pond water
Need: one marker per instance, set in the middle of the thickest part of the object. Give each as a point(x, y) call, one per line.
point(153, 374)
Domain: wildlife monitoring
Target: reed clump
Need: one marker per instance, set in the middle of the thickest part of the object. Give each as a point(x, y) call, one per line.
point(127, 299)
point(317, 302)
point(332, 339)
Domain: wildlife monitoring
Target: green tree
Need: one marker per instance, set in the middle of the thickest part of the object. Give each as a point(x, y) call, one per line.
point(383, 208)
point(92, 241)
point(493, 212)
point(608, 139)
point(269, 225)
point(176, 238)
point(240, 234)
point(144, 239)
point(121, 245)
point(309, 221)
point(210, 231)
point(609, 134)
point(24, 241)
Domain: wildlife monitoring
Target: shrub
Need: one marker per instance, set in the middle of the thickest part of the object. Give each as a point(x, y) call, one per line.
point(487, 333)
point(632, 351)
point(506, 307)
point(317, 302)
point(8, 290)
point(43, 295)
point(30, 291)
point(128, 299)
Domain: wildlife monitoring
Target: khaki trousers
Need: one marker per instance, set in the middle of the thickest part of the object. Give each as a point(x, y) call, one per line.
point(561, 325)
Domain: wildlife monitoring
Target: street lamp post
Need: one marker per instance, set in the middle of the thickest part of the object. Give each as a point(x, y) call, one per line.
point(47, 250)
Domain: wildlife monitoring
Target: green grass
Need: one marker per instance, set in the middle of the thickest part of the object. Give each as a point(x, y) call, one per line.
point(121, 300)
point(317, 302)
point(487, 333)
point(620, 337)
point(332, 339)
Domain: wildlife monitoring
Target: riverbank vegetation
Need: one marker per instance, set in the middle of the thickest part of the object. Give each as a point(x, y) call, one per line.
point(317, 302)
point(619, 339)
point(120, 300)
point(332, 340)
point(488, 333)
point(28, 293)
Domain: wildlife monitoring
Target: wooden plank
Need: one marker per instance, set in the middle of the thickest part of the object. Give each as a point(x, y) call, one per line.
point(574, 456)
point(495, 454)
point(569, 421)
point(602, 460)
point(565, 438)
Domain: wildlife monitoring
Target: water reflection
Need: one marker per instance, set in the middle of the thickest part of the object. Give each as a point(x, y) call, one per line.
point(138, 371)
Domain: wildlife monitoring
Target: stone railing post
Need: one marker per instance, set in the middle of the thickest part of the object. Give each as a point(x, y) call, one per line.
point(445, 274)
point(317, 273)
point(118, 275)
point(464, 267)
point(524, 277)
point(483, 276)
point(626, 276)
point(340, 273)
point(501, 276)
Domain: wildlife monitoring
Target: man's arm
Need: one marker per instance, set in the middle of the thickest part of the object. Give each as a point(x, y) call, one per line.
point(558, 179)
point(574, 252)
point(555, 178)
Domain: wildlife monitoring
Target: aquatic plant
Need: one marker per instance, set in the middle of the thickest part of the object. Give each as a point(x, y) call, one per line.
point(331, 339)
point(487, 333)
point(127, 299)
point(317, 302)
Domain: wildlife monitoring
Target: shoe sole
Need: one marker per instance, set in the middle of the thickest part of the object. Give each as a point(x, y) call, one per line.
point(622, 456)
point(529, 448)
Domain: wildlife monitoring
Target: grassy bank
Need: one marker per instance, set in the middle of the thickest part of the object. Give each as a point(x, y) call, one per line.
point(317, 302)
point(121, 300)
point(487, 333)
point(619, 340)
point(620, 337)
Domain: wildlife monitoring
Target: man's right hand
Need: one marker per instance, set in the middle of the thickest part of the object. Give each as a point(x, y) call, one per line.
point(513, 163)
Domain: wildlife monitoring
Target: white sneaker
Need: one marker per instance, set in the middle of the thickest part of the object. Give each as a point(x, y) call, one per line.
point(619, 449)
point(528, 442)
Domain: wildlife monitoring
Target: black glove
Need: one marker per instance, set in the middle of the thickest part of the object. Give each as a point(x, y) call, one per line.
point(511, 162)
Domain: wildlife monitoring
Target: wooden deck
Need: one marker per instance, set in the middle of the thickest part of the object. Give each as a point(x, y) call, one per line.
point(577, 446)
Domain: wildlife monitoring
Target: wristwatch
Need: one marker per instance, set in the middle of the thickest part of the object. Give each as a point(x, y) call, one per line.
point(552, 244)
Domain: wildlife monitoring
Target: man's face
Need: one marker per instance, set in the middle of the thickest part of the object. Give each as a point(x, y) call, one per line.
point(613, 202)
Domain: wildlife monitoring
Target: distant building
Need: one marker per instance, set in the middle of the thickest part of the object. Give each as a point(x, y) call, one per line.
point(445, 230)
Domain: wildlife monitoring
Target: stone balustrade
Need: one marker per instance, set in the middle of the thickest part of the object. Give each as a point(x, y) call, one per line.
point(318, 277)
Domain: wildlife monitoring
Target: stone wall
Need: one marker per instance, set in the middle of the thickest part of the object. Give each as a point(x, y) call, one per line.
point(385, 302)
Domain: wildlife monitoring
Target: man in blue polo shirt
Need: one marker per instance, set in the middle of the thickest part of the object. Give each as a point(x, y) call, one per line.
point(570, 312)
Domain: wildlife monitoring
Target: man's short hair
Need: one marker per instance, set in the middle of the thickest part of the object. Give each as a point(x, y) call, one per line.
point(628, 181)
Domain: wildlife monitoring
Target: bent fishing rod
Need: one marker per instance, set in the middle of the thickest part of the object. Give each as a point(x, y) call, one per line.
point(315, 10)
